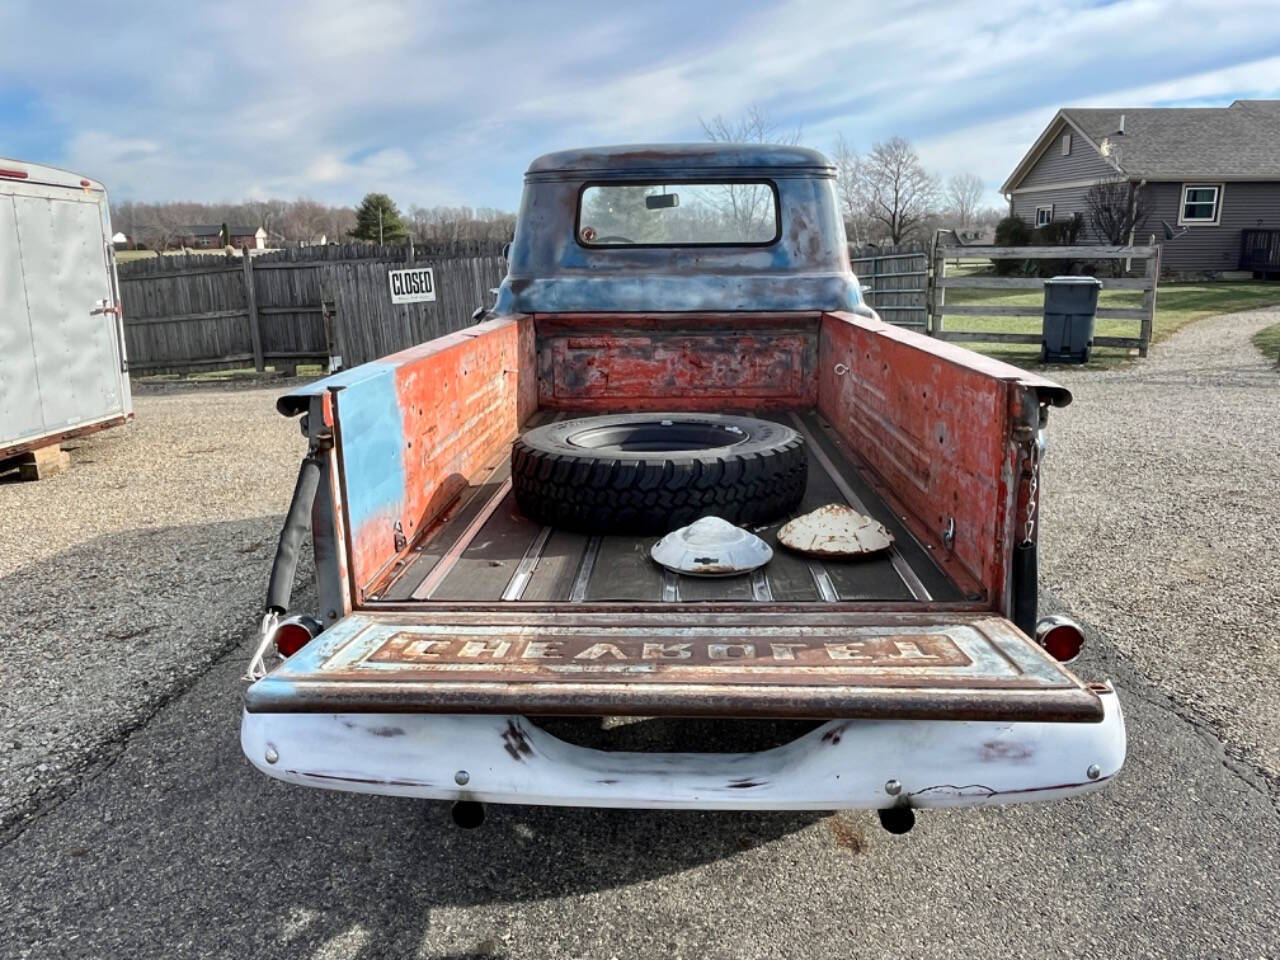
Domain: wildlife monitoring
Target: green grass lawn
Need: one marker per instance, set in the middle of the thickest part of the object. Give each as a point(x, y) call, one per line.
point(124, 256)
point(1177, 304)
point(1268, 341)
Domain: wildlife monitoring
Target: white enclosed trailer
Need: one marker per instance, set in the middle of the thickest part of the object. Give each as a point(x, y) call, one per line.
point(62, 359)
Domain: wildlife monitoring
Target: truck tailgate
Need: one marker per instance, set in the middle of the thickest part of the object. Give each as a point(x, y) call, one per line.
point(962, 666)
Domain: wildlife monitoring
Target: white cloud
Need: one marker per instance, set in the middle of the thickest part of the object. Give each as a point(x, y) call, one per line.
point(994, 148)
point(447, 102)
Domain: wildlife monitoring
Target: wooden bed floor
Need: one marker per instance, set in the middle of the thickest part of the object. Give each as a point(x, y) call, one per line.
point(489, 551)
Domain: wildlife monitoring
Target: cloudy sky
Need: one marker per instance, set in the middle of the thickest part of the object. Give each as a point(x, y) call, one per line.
point(445, 103)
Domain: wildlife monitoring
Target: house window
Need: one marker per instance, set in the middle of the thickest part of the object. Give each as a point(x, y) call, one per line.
point(1201, 203)
point(1044, 215)
point(1066, 144)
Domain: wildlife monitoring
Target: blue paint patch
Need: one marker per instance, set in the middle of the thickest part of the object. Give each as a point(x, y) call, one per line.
point(372, 425)
point(629, 294)
point(298, 401)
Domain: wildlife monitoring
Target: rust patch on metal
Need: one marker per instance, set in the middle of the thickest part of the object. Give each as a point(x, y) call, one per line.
point(833, 735)
point(638, 368)
point(516, 742)
point(824, 658)
point(900, 395)
point(835, 530)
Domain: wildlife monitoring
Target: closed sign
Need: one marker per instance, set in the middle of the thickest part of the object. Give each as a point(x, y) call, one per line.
point(412, 286)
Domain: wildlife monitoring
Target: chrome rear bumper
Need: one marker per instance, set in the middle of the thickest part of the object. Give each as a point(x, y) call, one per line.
point(844, 764)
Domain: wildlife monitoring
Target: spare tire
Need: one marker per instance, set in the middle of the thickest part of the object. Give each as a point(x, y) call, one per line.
point(655, 472)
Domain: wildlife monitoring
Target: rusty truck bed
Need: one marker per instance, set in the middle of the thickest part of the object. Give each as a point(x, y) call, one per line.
point(452, 601)
point(485, 550)
point(490, 612)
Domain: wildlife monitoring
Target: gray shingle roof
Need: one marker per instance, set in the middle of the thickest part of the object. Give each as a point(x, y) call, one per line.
point(213, 229)
point(1241, 141)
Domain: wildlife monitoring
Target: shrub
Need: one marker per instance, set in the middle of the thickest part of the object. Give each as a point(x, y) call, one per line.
point(1012, 231)
point(1059, 233)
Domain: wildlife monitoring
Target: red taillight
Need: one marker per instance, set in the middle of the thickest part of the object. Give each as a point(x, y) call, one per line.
point(16, 174)
point(1061, 638)
point(292, 635)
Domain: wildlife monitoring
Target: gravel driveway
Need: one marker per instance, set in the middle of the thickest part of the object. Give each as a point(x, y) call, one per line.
point(123, 579)
point(1162, 524)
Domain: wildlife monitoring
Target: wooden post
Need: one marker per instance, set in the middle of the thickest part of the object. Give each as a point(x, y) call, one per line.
point(1149, 302)
point(931, 287)
point(875, 282)
point(251, 307)
point(938, 293)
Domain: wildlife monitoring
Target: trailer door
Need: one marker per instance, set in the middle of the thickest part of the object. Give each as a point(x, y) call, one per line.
point(67, 284)
point(20, 414)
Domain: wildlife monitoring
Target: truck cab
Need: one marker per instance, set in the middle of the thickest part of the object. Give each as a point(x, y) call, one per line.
point(455, 633)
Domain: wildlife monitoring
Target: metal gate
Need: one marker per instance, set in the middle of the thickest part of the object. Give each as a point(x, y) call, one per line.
point(895, 283)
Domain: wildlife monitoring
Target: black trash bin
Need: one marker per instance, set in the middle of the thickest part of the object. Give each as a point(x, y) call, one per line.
point(1070, 309)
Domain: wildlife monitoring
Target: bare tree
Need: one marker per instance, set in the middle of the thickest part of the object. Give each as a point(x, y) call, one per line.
point(306, 221)
point(901, 194)
point(160, 225)
point(964, 193)
point(748, 205)
point(1117, 209)
point(754, 126)
point(461, 225)
point(853, 202)
point(157, 225)
point(267, 214)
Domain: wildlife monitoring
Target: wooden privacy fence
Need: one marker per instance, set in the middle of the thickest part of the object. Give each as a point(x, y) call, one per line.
point(938, 308)
point(309, 305)
point(895, 281)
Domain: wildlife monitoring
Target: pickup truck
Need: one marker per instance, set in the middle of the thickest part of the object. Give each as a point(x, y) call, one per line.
point(455, 633)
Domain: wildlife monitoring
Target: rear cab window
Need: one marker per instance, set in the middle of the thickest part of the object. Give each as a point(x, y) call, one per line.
point(732, 213)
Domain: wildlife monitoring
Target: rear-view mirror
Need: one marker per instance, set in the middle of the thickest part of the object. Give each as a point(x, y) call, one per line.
point(662, 201)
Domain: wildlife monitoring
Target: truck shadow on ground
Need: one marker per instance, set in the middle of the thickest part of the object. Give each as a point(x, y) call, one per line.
point(369, 871)
point(177, 846)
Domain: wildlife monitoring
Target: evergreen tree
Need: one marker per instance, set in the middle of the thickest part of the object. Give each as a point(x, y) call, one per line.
point(393, 229)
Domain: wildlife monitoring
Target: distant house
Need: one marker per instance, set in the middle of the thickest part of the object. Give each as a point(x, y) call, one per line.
point(209, 236)
point(973, 235)
point(1212, 170)
point(314, 240)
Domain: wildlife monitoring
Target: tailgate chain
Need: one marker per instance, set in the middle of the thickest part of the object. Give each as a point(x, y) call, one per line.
point(1032, 466)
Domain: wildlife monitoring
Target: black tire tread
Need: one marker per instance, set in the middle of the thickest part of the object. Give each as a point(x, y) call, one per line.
point(604, 495)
